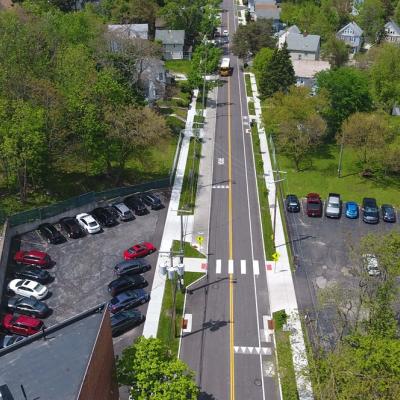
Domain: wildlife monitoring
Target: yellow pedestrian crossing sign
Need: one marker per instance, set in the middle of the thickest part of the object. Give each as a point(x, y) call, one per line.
point(275, 256)
point(200, 239)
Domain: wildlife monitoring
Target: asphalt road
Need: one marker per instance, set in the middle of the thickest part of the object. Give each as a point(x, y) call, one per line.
point(227, 349)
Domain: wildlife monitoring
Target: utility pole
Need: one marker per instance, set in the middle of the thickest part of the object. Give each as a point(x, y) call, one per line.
point(276, 183)
point(339, 170)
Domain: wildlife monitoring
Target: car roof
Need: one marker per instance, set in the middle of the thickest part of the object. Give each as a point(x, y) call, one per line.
point(36, 253)
point(126, 263)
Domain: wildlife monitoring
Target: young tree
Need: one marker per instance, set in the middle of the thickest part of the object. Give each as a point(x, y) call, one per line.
point(295, 120)
point(152, 373)
point(336, 51)
point(278, 74)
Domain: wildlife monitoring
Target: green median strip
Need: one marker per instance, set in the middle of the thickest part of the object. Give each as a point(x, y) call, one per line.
point(252, 110)
point(285, 357)
point(188, 250)
point(249, 92)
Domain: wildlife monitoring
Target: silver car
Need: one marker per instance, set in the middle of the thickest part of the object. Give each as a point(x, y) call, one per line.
point(333, 206)
point(123, 212)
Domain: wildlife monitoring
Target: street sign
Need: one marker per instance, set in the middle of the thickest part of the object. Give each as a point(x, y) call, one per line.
point(200, 239)
point(275, 256)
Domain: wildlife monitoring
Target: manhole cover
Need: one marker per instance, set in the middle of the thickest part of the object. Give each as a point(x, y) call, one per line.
point(257, 382)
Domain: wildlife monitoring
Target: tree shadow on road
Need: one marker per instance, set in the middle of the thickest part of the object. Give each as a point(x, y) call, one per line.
point(206, 396)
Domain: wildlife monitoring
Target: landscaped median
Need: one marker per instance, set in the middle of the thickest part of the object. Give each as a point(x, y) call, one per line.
point(188, 250)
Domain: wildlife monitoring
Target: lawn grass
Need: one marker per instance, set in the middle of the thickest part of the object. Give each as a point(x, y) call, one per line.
point(252, 110)
point(178, 66)
point(188, 250)
point(321, 176)
point(249, 92)
point(262, 195)
point(187, 200)
point(198, 121)
point(285, 358)
point(165, 325)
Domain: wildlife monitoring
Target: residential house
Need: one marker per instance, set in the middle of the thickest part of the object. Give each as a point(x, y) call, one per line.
point(153, 80)
point(301, 46)
point(129, 31)
point(173, 43)
point(392, 32)
point(267, 9)
point(352, 35)
point(305, 71)
point(396, 110)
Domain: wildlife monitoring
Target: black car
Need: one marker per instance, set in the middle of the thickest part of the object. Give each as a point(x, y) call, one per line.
point(133, 267)
point(103, 216)
point(388, 213)
point(50, 233)
point(71, 227)
point(292, 203)
point(136, 204)
point(153, 201)
point(370, 211)
point(9, 340)
point(28, 306)
point(33, 273)
point(126, 282)
point(128, 299)
point(125, 320)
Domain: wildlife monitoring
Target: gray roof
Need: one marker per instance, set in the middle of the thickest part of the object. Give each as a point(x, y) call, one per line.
point(394, 26)
point(131, 30)
point(303, 43)
point(168, 36)
point(54, 367)
point(354, 27)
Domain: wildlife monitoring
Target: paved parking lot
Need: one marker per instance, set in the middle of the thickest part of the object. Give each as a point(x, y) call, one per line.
point(322, 247)
point(83, 267)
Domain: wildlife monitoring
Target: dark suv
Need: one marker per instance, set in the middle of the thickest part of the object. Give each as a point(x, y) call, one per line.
point(136, 266)
point(32, 273)
point(103, 216)
point(128, 299)
point(125, 320)
point(28, 306)
point(125, 282)
point(370, 210)
point(153, 201)
point(136, 204)
point(71, 227)
point(50, 233)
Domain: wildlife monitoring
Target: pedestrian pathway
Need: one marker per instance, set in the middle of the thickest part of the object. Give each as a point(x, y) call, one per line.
point(279, 276)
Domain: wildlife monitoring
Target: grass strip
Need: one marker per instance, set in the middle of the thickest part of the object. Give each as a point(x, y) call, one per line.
point(249, 92)
point(188, 250)
point(252, 110)
point(262, 195)
point(187, 200)
point(166, 330)
point(285, 357)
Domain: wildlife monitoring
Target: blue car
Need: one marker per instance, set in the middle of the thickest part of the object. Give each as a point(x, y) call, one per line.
point(128, 299)
point(351, 209)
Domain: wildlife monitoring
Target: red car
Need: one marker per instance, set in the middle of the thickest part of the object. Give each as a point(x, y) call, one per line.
point(33, 257)
point(314, 205)
point(139, 250)
point(22, 324)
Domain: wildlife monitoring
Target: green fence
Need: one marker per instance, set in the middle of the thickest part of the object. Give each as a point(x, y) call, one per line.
point(79, 201)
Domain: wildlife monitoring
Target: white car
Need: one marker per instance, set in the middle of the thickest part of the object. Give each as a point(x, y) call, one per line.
point(371, 264)
point(225, 33)
point(88, 223)
point(27, 288)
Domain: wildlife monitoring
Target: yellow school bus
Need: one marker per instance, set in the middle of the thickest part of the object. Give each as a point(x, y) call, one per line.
point(225, 69)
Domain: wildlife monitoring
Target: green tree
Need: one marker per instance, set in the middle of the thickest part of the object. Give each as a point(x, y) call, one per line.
point(348, 92)
point(295, 119)
point(278, 74)
point(372, 19)
point(251, 38)
point(336, 51)
point(152, 373)
point(261, 60)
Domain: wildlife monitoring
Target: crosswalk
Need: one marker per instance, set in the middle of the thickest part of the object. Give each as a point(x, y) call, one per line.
point(236, 266)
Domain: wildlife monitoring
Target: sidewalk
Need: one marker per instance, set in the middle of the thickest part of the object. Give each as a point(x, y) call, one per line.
point(279, 276)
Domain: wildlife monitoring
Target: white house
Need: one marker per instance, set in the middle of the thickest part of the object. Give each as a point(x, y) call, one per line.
point(392, 32)
point(352, 35)
point(173, 42)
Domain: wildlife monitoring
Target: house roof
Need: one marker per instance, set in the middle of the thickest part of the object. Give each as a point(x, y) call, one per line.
point(302, 42)
point(396, 110)
point(267, 10)
point(130, 30)
point(168, 36)
point(354, 27)
point(394, 26)
point(52, 367)
point(309, 68)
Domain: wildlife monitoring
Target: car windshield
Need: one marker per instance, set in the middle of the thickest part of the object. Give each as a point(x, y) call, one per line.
point(38, 287)
point(127, 212)
point(334, 205)
point(131, 250)
point(314, 206)
point(92, 223)
point(293, 203)
point(371, 209)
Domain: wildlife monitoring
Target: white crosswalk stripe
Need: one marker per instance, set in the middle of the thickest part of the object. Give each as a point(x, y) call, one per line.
point(243, 266)
point(256, 267)
point(218, 267)
point(230, 267)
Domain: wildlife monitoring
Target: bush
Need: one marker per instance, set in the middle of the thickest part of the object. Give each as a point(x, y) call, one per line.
point(175, 124)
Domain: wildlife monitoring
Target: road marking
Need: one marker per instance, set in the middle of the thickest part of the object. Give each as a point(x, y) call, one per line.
point(220, 186)
point(230, 267)
point(265, 351)
point(242, 266)
point(221, 161)
point(218, 267)
point(256, 267)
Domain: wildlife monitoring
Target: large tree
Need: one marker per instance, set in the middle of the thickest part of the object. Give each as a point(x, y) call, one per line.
point(261, 60)
point(152, 373)
point(372, 19)
point(336, 51)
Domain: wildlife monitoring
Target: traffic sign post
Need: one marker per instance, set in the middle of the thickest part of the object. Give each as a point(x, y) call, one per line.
point(200, 240)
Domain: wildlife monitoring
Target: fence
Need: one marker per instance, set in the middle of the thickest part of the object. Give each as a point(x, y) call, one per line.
point(79, 201)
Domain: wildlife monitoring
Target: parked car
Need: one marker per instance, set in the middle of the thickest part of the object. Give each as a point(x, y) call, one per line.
point(132, 267)
point(139, 250)
point(136, 205)
point(9, 340)
point(292, 203)
point(22, 324)
point(33, 273)
point(50, 233)
point(371, 264)
point(88, 223)
point(351, 209)
point(225, 33)
point(370, 211)
point(333, 206)
point(153, 201)
point(27, 288)
point(314, 205)
point(126, 320)
point(103, 217)
point(33, 257)
point(71, 227)
point(126, 282)
point(128, 299)
point(28, 306)
point(124, 213)
point(388, 213)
